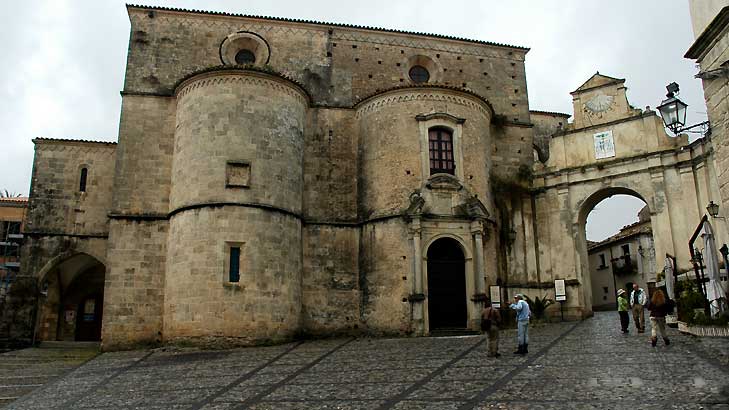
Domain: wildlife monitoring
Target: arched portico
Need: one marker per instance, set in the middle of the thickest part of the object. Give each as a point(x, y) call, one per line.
point(71, 304)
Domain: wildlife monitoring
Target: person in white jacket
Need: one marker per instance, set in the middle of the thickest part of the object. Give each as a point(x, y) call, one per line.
point(638, 300)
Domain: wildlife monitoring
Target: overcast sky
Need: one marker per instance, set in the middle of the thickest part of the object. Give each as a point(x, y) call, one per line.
point(62, 61)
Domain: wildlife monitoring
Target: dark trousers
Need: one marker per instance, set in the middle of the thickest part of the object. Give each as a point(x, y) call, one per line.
point(624, 320)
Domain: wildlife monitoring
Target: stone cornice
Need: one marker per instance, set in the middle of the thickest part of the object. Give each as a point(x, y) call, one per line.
point(102, 235)
point(642, 115)
point(430, 92)
point(709, 36)
point(221, 75)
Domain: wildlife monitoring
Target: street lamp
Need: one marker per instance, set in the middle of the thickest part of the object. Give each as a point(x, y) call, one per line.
point(713, 209)
point(673, 112)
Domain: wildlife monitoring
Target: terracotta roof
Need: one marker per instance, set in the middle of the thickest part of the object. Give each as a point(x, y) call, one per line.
point(43, 139)
point(15, 200)
point(625, 232)
point(557, 114)
point(324, 23)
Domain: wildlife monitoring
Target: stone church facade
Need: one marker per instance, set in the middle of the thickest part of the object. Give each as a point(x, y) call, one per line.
point(275, 177)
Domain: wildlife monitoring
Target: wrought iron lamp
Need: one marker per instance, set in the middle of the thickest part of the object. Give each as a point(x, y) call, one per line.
point(673, 112)
point(713, 209)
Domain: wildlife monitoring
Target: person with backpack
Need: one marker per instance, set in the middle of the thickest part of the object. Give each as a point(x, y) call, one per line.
point(490, 321)
point(659, 308)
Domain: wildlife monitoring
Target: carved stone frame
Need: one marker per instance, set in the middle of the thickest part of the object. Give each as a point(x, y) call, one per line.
point(443, 120)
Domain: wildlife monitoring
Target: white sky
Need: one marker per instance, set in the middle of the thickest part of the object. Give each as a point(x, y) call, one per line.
point(62, 62)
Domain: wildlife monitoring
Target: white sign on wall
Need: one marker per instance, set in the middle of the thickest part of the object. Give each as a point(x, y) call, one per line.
point(560, 292)
point(604, 145)
point(495, 292)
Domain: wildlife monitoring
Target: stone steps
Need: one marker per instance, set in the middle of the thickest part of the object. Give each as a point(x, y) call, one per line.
point(25, 370)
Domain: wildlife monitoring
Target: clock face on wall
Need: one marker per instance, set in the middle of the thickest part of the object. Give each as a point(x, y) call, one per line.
point(599, 103)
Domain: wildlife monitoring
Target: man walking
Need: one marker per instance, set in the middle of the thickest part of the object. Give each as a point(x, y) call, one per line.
point(638, 300)
point(490, 321)
point(522, 323)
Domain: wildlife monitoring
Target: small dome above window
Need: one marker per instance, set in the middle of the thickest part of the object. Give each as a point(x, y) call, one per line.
point(419, 74)
point(245, 57)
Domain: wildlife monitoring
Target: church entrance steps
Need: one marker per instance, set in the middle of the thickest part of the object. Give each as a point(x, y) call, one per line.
point(22, 371)
point(446, 332)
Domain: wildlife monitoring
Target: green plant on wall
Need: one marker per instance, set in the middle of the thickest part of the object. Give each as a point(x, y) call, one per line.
point(538, 306)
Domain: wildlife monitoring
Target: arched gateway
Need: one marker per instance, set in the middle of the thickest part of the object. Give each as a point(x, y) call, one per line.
point(71, 306)
point(611, 148)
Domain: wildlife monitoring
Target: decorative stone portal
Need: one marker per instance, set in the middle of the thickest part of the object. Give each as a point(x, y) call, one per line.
point(446, 285)
point(71, 308)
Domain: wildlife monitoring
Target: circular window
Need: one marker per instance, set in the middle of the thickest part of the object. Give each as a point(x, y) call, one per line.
point(419, 74)
point(245, 57)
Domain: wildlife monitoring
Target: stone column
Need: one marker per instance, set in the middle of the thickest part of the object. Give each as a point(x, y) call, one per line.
point(418, 259)
point(477, 232)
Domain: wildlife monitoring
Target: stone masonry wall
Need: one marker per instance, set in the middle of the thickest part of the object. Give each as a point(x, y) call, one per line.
point(56, 204)
point(330, 283)
point(716, 93)
point(330, 166)
point(384, 275)
point(338, 66)
point(144, 156)
point(255, 120)
point(134, 283)
point(203, 307)
point(391, 146)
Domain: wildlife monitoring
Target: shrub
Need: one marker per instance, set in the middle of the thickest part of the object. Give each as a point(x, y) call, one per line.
point(538, 306)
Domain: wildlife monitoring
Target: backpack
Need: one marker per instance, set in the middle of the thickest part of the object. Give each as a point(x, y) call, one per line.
point(486, 322)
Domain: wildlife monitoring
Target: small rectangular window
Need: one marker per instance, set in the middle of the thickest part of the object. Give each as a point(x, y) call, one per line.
point(234, 264)
point(626, 249)
point(602, 260)
point(82, 181)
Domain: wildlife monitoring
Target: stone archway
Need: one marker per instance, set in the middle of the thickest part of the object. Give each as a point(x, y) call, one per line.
point(447, 299)
point(601, 283)
point(72, 306)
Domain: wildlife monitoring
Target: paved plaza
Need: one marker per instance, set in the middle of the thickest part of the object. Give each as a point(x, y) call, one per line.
point(580, 365)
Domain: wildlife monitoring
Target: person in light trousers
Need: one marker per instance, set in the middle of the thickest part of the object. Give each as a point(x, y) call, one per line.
point(522, 322)
point(638, 300)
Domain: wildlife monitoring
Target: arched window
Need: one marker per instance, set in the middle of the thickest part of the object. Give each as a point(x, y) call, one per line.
point(82, 180)
point(440, 143)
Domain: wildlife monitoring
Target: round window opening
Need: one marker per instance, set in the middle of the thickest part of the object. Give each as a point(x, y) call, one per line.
point(419, 74)
point(245, 57)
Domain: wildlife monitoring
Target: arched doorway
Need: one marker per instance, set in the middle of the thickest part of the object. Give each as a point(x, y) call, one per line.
point(615, 226)
point(72, 307)
point(446, 285)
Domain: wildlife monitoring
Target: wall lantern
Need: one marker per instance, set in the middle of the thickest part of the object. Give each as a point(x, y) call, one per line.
point(673, 113)
point(713, 209)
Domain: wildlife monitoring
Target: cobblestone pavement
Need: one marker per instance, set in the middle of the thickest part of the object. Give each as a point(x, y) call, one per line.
point(23, 371)
point(585, 365)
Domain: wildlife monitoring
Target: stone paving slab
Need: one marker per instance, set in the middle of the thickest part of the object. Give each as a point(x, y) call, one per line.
point(585, 365)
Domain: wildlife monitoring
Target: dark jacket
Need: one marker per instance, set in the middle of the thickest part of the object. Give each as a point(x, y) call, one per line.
point(662, 310)
point(491, 313)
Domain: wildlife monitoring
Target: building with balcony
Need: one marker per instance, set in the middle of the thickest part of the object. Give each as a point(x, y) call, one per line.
point(623, 259)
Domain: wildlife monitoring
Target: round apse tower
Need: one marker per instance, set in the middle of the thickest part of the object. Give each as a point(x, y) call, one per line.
point(234, 247)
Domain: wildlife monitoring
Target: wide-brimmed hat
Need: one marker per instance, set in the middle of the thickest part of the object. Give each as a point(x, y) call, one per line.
point(621, 291)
